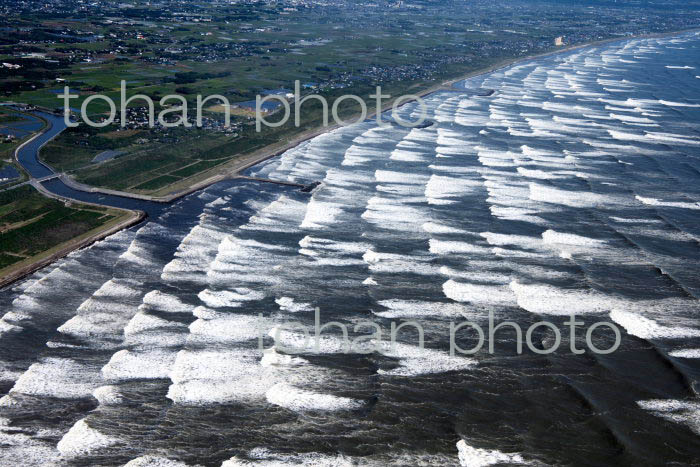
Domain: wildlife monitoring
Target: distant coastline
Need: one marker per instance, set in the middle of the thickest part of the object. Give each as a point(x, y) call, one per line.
point(238, 165)
point(234, 168)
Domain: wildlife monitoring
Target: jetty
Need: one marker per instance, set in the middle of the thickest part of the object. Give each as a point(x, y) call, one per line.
point(304, 187)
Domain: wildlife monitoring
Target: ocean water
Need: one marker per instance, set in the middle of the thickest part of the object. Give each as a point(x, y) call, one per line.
point(573, 188)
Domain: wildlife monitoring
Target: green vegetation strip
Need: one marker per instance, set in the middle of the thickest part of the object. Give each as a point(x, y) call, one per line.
point(31, 224)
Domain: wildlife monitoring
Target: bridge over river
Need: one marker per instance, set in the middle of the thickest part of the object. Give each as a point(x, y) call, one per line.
point(63, 187)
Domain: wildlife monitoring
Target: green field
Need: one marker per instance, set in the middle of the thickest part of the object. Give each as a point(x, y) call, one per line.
point(31, 224)
point(144, 165)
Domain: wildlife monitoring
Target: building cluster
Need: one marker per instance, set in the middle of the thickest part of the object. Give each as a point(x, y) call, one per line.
point(138, 118)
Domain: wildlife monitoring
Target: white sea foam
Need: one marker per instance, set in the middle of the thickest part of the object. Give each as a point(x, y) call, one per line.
point(6, 327)
point(82, 439)
point(440, 247)
point(93, 325)
point(143, 322)
point(229, 298)
point(522, 241)
point(234, 327)
point(105, 313)
point(416, 308)
point(625, 136)
point(273, 358)
point(478, 276)
point(391, 214)
point(646, 328)
point(262, 457)
point(399, 264)
point(631, 119)
point(207, 313)
point(218, 376)
point(551, 237)
point(672, 138)
point(154, 461)
point(437, 228)
point(670, 204)
point(320, 214)
point(240, 260)
point(406, 178)
point(539, 174)
point(551, 300)
point(301, 342)
point(414, 360)
point(396, 263)
point(193, 254)
point(625, 220)
point(677, 104)
point(440, 189)
point(108, 395)
point(372, 256)
point(165, 302)
point(686, 412)
point(478, 294)
point(135, 253)
point(453, 169)
point(685, 353)
point(407, 156)
point(299, 400)
point(357, 155)
point(146, 364)
point(288, 304)
point(473, 457)
point(281, 215)
point(58, 377)
point(575, 199)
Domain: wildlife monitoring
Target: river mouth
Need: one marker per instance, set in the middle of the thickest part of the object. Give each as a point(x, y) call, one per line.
point(28, 157)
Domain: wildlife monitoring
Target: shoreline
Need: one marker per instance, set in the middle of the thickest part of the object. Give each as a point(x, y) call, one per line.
point(234, 168)
point(78, 243)
point(16, 272)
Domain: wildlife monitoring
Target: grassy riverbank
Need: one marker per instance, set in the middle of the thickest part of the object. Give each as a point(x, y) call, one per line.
point(35, 230)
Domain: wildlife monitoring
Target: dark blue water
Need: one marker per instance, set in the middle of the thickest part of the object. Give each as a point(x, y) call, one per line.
point(572, 189)
point(28, 156)
point(267, 105)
